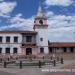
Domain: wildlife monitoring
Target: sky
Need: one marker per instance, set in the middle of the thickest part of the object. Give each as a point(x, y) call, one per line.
point(20, 14)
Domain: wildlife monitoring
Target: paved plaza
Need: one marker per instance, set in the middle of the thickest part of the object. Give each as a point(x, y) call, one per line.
point(34, 70)
point(31, 71)
point(5, 73)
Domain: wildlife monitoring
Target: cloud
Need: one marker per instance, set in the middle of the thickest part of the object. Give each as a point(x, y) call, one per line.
point(61, 28)
point(49, 14)
point(62, 36)
point(19, 23)
point(1, 0)
point(6, 8)
point(61, 21)
point(59, 2)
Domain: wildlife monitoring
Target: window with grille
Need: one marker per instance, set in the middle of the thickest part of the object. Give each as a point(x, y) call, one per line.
point(41, 50)
point(15, 50)
point(7, 50)
point(7, 39)
point(0, 38)
point(15, 39)
point(0, 50)
point(41, 39)
point(28, 38)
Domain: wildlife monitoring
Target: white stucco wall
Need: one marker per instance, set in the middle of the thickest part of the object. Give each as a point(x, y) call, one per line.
point(11, 37)
point(42, 33)
point(11, 45)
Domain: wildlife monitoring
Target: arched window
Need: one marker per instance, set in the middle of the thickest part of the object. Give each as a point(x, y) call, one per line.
point(41, 22)
point(42, 50)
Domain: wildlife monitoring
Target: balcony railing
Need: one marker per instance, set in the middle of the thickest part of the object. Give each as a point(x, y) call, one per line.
point(28, 44)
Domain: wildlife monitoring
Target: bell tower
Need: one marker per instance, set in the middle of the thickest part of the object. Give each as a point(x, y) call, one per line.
point(40, 20)
point(40, 26)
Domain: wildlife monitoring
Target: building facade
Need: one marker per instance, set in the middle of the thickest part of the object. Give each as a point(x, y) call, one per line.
point(36, 43)
point(62, 47)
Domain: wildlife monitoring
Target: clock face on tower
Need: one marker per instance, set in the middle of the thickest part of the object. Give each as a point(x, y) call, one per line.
point(40, 21)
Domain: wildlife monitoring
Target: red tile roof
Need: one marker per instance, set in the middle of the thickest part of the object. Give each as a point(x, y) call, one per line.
point(27, 32)
point(61, 44)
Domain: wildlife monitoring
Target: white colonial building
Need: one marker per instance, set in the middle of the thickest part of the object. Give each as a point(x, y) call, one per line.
point(36, 43)
point(26, 42)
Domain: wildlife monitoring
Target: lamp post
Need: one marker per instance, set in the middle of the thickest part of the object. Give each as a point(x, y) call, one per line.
point(5, 64)
point(54, 53)
point(20, 64)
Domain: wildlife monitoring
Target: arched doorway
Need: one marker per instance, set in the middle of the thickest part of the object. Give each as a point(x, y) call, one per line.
point(28, 51)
